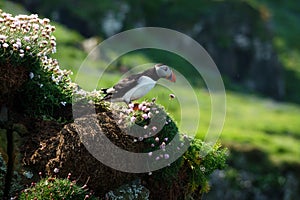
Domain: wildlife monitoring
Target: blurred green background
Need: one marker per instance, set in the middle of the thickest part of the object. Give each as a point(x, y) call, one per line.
point(254, 43)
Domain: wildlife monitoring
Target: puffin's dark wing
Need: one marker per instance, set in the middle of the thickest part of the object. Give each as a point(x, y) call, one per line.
point(125, 85)
point(128, 83)
point(122, 87)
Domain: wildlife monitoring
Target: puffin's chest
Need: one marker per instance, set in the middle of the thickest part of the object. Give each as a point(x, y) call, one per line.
point(145, 84)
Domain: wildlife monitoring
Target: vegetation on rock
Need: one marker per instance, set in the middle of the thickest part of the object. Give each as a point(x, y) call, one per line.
point(37, 93)
point(53, 188)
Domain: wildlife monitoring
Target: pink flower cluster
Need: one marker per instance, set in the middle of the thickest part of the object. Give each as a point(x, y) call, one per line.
point(143, 109)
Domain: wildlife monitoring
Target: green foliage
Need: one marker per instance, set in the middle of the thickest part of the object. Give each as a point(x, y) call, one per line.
point(55, 189)
point(202, 159)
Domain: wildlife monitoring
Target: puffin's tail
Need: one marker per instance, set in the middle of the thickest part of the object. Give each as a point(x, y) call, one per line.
point(107, 94)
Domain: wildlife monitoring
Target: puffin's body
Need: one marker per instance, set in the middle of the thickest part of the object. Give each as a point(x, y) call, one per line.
point(138, 85)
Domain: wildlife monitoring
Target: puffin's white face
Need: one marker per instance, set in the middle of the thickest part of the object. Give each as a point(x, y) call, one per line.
point(164, 71)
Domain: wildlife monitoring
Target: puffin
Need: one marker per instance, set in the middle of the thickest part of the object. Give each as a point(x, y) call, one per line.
point(138, 85)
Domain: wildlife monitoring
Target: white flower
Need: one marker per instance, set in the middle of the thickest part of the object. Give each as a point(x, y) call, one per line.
point(167, 156)
point(5, 45)
point(27, 38)
point(144, 108)
point(145, 116)
point(132, 119)
point(63, 103)
point(56, 170)
point(46, 20)
point(36, 26)
point(15, 46)
point(163, 145)
point(19, 44)
point(154, 128)
point(31, 75)
point(3, 37)
point(150, 153)
point(140, 106)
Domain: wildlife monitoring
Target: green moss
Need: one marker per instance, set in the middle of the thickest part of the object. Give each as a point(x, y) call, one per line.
point(55, 189)
point(201, 160)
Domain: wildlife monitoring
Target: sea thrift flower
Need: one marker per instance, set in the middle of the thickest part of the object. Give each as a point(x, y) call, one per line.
point(156, 139)
point(167, 156)
point(154, 128)
point(3, 37)
point(5, 45)
point(163, 145)
point(150, 153)
point(144, 108)
point(145, 116)
point(132, 119)
point(56, 170)
point(140, 106)
point(27, 38)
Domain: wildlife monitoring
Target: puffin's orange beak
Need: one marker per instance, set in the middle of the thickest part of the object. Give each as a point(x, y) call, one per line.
point(172, 77)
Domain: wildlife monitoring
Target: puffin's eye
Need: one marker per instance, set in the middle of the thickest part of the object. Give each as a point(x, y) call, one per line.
point(165, 68)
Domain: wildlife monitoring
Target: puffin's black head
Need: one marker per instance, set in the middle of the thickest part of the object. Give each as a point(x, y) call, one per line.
point(164, 71)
